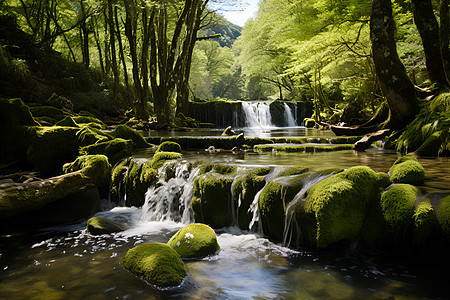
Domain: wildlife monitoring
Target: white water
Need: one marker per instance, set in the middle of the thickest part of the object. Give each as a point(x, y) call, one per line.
point(257, 114)
point(289, 118)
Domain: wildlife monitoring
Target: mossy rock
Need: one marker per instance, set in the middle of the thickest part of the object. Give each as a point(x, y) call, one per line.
point(138, 178)
point(431, 145)
point(424, 222)
point(126, 133)
point(443, 217)
point(293, 171)
point(71, 208)
point(15, 123)
point(97, 166)
point(48, 111)
point(160, 158)
point(195, 241)
point(68, 121)
point(338, 205)
point(115, 149)
point(89, 136)
point(408, 170)
point(51, 147)
point(300, 148)
point(87, 120)
point(244, 189)
point(169, 147)
point(211, 200)
point(119, 172)
point(100, 225)
point(218, 168)
point(158, 264)
point(397, 205)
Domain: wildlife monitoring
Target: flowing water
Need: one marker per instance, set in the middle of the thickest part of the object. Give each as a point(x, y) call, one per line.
point(65, 262)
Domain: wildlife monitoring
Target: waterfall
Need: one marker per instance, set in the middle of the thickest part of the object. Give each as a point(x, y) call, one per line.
point(290, 221)
point(289, 118)
point(171, 200)
point(257, 114)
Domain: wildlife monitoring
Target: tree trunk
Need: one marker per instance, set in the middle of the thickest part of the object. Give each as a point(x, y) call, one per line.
point(112, 44)
point(394, 82)
point(429, 32)
point(445, 34)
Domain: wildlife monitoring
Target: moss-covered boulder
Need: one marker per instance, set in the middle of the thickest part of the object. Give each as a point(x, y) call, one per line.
point(97, 167)
point(195, 241)
point(335, 208)
point(48, 111)
point(15, 123)
point(431, 146)
point(244, 189)
point(88, 136)
point(443, 217)
point(169, 146)
point(212, 201)
point(138, 178)
point(424, 222)
point(115, 149)
point(397, 205)
point(100, 225)
point(51, 147)
point(119, 172)
point(126, 133)
point(158, 264)
point(68, 121)
point(408, 170)
point(160, 158)
point(90, 120)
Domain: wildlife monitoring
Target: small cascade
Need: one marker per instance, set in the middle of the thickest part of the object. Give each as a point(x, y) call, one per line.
point(289, 118)
point(254, 225)
point(290, 222)
point(257, 114)
point(171, 200)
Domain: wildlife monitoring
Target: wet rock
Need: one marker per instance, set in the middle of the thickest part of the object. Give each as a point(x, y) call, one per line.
point(443, 217)
point(126, 133)
point(407, 170)
point(115, 149)
point(88, 136)
point(158, 264)
point(431, 146)
point(424, 222)
point(169, 146)
point(160, 158)
point(97, 166)
point(195, 241)
point(100, 225)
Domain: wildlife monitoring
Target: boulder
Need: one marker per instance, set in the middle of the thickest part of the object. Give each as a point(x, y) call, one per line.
point(100, 225)
point(117, 180)
point(138, 178)
point(126, 133)
point(408, 170)
point(158, 264)
point(169, 146)
point(48, 112)
point(443, 217)
point(90, 120)
point(195, 241)
point(115, 149)
point(96, 165)
point(424, 222)
point(88, 136)
point(68, 122)
point(431, 146)
point(160, 158)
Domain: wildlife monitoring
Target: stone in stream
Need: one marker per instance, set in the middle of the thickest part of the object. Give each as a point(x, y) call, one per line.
point(407, 169)
point(100, 225)
point(158, 264)
point(169, 146)
point(194, 241)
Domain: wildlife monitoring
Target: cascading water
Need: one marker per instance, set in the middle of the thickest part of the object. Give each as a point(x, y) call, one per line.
point(289, 118)
point(171, 200)
point(257, 114)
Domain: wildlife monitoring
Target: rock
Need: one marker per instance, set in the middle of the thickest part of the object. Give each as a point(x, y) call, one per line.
point(397, 206)
point(48, 111)
point(89, 120)
point(100, 225)
point(335, 208)
point(51, 147)
point(443, 217)
point(228, 131)
point(309, 123)
point(96, 165)
point(424, 222)
point(117, 180)
point(160, 158)
point(431, 146)
point(126, 133)
point(138, 178)
point(169, 146)
point(211, 199)
point(195, 241)
point(15, 123)
point(300, 148)
point(407, 170)
point(244, 190)
point(156, 263)
point(88, 136)
point(68, 122)
point(115, 149)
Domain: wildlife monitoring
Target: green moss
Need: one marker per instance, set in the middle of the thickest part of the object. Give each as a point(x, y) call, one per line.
point(126, 133)
point(201, 143)
point(169, 147)
point(397, 206)
point(211, 202)
point(138, 178)
point(424, 222)
point(195, 241)
point(218, 168)
point(87, 120)
point(156, 263)
point(160, 158)
point(51, 147)
point(293, 171)
point(431, 145)
point(97, 166)
point(301, 148)
point(48, 111)
point(407, 170)
point(67, 121)
point(100, 225)
point(339, 205)
point(117, 179)
point(443, 217)
point(244, 190)
point(115, 149)
point(89, 136)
